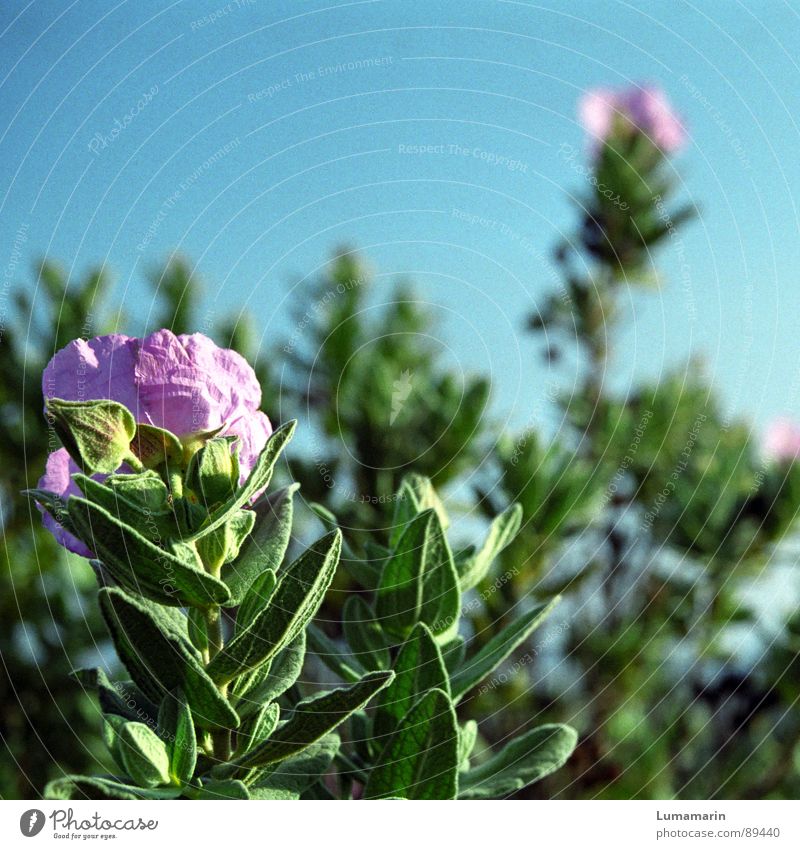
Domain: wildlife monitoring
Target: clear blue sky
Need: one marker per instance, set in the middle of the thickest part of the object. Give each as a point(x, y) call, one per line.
point(260, 134)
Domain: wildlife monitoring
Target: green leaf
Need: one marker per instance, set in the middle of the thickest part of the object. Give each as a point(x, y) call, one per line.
point(213, 472)
point(197, 629)
point(266, 546)
point(325, 516)
point(346, 667)
point(156, 524)
point(467, 735)
point(86, 787)
point(313, 719)
point(418, 668)
point(54, 504)
point(154, 446)
point(454, 653)
point(177, 728)
point(145, 490)
point(97, 434)
point(222, 546)
point(144, 755)
point(427, 498)
point(419, 582)
point(258, 479)
point(501, 532)
point(219, 789)
point(256, 599)
point(420, 760)
point(258, 727)
point(119, 698)
point(365, 571)
point(406, 508)
point(159, 661)
point(294, 775)
point(139, 565)
point(273, 679)
point(527, 759)
point(294, 603)
point(475, 669)
point(364, 635)
point(273, 795)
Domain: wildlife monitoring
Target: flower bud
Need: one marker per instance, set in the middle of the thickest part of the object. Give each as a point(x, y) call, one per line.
point(97, 434)
point(213, 472)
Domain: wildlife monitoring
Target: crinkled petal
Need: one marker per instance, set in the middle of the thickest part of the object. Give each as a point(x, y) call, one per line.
point(86, 370)
point(253, 431)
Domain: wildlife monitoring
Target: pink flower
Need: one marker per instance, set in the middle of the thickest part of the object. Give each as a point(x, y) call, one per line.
point(643, 108)
point(782, 440)
point(185, 384)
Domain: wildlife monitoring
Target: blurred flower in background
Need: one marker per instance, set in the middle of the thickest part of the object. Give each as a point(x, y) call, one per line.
point(606, 113)
point(782, 440)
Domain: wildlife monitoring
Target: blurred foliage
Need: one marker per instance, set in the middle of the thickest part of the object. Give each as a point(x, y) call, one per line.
point(366, 378)
point(44, 629)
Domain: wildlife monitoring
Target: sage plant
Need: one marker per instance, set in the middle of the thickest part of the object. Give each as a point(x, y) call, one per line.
point(162, 482)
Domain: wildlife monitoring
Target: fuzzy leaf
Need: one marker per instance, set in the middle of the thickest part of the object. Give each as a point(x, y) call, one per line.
point(266, 546)
point(364, 635)
point(418, 668)
point(406, 508)
point(221, 789)
point(119, 698)
point(160, 662)
point(154, 446)
point(213, 471)
point(273, 678)
point(419, 582)
point(501, 532)
point(294, 775)
point(154, 523)
point(420, 760)
point(258, 727)
point(273, 795)
point(454, 653)
point(256, 599)
point(475, 669)
point(86, 787)
point(197, 628)
point(313, 719)
point(144, 754)
point(97, 434)
point(177, 729)
point(346, 667)
point(54, 504)
point(139, 565)
point(427, 498)
point(258, 480)
point(292, 606)
point(467, 735)
point(527, 759)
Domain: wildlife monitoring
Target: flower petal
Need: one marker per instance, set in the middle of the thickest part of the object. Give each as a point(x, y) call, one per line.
point(57, 479)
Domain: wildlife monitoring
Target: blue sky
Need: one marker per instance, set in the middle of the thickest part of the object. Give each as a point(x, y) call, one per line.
point(258, 135)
